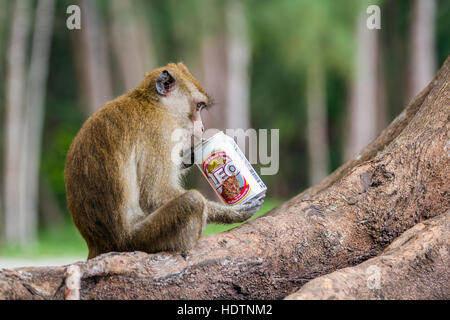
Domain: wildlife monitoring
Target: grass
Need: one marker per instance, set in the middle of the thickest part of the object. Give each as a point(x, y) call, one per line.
point(66, 241)
point(60, 241)
point(268, 205)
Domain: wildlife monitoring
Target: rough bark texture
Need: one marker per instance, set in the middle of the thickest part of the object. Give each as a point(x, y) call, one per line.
point(399, 180)
point(414, 266)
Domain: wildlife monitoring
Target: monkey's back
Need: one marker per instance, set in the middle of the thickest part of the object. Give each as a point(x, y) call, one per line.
point(94, 170)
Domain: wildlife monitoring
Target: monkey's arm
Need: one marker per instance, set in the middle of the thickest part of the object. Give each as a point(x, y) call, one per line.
point(220, 213)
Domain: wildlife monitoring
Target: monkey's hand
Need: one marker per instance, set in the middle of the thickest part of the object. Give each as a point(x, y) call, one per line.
point(249, 208)
point(220, 213)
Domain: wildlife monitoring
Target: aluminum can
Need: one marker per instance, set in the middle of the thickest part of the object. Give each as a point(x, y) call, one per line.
point(227, 170)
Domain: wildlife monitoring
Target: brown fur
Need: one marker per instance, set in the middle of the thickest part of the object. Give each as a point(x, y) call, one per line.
point(124, 150)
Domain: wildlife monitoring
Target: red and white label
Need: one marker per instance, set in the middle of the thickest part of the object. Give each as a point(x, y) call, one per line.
point(225, 177)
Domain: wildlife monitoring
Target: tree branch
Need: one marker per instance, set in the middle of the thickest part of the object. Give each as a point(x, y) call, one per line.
point(414, 266)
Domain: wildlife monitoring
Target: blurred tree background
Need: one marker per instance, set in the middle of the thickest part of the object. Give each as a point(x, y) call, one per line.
point(309, 68)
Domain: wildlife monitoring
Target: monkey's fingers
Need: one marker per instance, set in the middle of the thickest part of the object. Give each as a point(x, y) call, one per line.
point(252, 206)
point(262, 196)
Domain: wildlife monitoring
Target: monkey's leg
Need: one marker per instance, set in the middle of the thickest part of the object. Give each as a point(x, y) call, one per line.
point(176, 226)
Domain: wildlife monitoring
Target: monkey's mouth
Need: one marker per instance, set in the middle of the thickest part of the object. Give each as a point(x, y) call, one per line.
point(188, 159)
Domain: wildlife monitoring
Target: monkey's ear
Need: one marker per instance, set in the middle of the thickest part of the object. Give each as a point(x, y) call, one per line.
point(165, 83)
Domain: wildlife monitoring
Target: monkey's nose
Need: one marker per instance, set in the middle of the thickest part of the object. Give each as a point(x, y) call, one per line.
point(203, 128)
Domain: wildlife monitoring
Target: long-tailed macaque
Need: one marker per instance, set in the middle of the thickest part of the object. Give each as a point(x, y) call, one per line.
point(123, 187)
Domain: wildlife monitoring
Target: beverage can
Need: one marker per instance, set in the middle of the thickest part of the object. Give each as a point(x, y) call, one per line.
point(227, 170)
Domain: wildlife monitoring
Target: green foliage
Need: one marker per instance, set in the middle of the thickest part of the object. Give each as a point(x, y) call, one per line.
point(305, 32)
point(396, 18)
point(53, 158)
point(443, 30)
point(286, 36)
point(61, 241)
point(337, 92)
point(64, 114)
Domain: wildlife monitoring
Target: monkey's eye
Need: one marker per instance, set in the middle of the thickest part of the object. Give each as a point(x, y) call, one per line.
point(200, 106)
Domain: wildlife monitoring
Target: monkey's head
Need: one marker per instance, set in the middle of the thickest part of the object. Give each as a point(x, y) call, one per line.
point(174, 87)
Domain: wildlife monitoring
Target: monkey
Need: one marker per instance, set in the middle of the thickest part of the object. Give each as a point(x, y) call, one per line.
point(123, 188)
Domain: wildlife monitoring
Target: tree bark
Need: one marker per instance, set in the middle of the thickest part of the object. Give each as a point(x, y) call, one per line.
point(414, 266)
point(399, 180)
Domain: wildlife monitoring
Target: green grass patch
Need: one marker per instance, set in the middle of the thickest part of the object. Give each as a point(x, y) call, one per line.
point(60, 241)
point(66, 241)
point(268, 205)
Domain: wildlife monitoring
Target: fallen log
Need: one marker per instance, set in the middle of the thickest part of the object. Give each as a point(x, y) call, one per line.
point(399, 180)
point(414, 267)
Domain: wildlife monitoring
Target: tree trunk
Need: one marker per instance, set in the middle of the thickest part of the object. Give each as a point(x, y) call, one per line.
point(34, 114)
point(423, 48)
point(131, 42)
point(414, 266)
point(398, 181)
point(238, 56)
point(363, 114)
point(226, 56)
point(92, 58)
point(214, 71)
point(214, 76)
point(50, 213)
point(317, 123)
point(3, 22)
point(15, 215)
point(381, 106)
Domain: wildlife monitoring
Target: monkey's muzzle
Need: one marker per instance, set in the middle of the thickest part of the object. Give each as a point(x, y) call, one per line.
point(188, 158)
